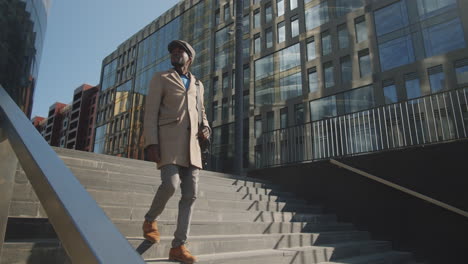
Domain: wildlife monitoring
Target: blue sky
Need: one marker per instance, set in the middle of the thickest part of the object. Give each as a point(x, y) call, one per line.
point(80, 34)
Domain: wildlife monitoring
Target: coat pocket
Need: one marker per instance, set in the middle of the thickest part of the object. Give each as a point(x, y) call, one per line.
point(167, 121)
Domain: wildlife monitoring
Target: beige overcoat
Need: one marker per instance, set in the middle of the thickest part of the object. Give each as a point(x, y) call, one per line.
point(171, 119)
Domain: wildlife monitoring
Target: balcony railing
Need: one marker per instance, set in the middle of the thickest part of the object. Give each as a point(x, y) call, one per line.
point(426, 120)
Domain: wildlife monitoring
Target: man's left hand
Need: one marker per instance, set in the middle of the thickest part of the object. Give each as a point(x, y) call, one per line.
point(204, 134)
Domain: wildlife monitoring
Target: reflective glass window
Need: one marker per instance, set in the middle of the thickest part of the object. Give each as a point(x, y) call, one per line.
point(343, 36)
point(391, 18)
point(311, 51)
point(462, 74)
point(328, 75)
point(264, 93)
point(256, 18)
point(435, 37)
point(413, 89)
point(359, 99)
point(246, 76)
point(346, 69)
point(246, 24)
point(270, 121)
point(292, 4)
point(257, 43)
point(246, 48)
point(390, 93)
point(215, 110)
point(316, 15)
point(215, 86)
point(225, 81)
point(299, 114)
point(284, 117)
point(322, 108)
point(225, 110)
point(227, 12)
point(345, 6)
point(258, 126)
point(280, 7)
point(294, 26)
point(436, 79)
point(396, 52)
point(326, 43)
point(264, 67)
point(361, 29)
point(217, 17)
point(364, 63)
point(291, 86)
point(269, 37)
point(313, 80)
point(427, 8)
point(268, 13)
point(289, 57)
point(281, 32)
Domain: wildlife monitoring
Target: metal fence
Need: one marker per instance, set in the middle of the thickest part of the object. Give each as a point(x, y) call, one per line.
point(430, 119)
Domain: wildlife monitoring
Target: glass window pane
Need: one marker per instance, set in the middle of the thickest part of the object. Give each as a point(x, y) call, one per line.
point(396, 52)
point(270, 121)
point(291, 86)
point(435, 38)
point(326, 43)
point(390, 94)
point(328, 74)
point(313, 81)
point(413, 89)
point(311, 52)
point(281, 32)
point(346, 69)
point(246, 48)
point(391, 18)
point(246, 24)
point(264, 67)
point(264, 93)
point(258, 126)
point(462, 74)
point(269, 38)
point(323, 108)
point(268, 13)
point(359, 99)
point(428, 8)
point(299, 114)
point(361, 29)
point(437, 81)
point(294, 27)
point(316, 15)
point(257, 18)
point(289, 57)
point(284, 117)
point(343, 37)
point(365, 63)
point(280, 7)
point(292, 4)
point(257, 44)
point(345, 6)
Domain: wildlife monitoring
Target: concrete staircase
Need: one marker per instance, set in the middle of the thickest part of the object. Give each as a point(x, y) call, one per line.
point(236, 220)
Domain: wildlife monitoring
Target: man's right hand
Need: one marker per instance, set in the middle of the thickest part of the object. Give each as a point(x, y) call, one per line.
point(153, 153)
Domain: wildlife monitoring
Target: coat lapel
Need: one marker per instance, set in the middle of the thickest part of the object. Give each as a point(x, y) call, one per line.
point(175, 78)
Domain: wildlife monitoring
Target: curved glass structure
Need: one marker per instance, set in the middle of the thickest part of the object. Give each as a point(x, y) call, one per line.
point(22, 30)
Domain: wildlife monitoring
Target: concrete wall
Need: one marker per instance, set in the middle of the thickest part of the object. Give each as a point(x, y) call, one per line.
point(433, 234)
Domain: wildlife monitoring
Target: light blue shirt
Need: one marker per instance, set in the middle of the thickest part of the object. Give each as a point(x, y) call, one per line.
point(185, 80)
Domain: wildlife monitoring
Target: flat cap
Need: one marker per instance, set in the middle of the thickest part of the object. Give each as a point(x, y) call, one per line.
point(182, 44)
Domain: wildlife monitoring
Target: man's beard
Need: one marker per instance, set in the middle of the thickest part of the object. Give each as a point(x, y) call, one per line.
point(179, 63)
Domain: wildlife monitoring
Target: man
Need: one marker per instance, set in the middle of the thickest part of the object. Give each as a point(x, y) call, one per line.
point(172, 130)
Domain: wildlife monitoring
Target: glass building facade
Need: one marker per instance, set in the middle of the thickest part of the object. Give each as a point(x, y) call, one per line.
point(23, 25)
point(303, 61)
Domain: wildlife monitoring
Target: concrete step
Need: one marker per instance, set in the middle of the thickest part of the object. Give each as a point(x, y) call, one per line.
point(210, 244)
point(35, 228)
point(390, 257)
point(138, 213)
point(34, 251)
point(26, 204)
point(294, 255)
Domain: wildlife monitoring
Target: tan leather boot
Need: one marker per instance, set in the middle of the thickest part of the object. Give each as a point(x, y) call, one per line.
point(182, 254)
point(150, 231)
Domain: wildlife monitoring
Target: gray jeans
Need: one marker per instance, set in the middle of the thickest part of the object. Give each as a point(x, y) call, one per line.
point(171, 177)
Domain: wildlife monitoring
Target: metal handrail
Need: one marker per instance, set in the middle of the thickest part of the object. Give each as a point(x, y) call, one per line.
point(401, 188)
point(85, 231)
